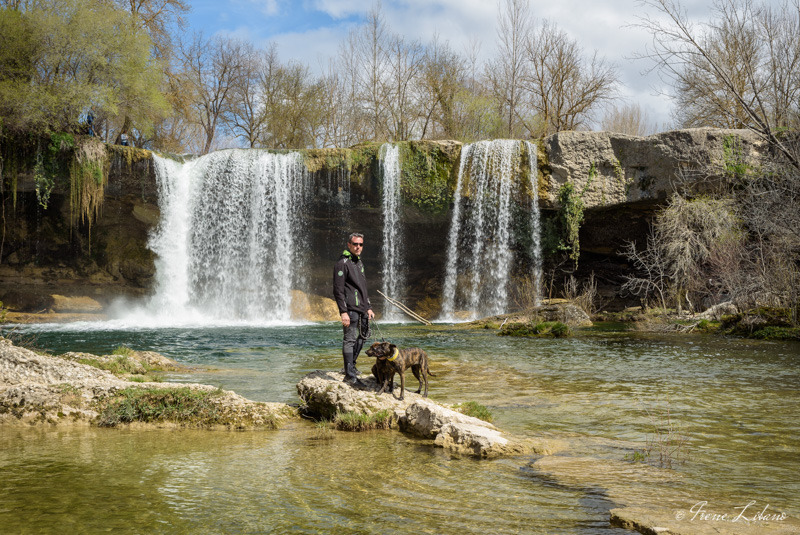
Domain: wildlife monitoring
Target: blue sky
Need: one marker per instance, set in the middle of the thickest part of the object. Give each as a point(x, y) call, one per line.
point(311, 30)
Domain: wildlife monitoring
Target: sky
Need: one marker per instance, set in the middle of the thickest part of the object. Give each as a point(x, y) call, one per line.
point(310, 30)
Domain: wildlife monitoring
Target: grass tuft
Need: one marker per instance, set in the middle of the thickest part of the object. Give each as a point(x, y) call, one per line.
point(119, 365)
point(357, 421)
point(554, 329)
point(123, 350)
point(179, 405)
point(474, 409)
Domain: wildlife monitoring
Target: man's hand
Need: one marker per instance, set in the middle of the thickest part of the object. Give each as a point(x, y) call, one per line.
point(370, 314)
point(346, 319)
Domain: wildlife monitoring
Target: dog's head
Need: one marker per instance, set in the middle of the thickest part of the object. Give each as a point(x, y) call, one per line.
point(381, 350)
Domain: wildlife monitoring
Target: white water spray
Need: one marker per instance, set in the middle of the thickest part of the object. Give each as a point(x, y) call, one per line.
point(392, 251)
point(481, 238)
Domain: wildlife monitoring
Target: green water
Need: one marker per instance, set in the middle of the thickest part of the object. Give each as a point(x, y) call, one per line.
point(735, 401)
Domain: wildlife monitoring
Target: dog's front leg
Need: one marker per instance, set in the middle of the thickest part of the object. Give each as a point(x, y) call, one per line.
point(402, 386)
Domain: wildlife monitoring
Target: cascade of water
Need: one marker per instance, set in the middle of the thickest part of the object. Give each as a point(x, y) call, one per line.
point(230, 236)
point(482, 238)
point(536, 228)
point(392, 251)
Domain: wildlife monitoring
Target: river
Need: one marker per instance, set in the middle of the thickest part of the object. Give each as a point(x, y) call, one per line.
point(735, 401)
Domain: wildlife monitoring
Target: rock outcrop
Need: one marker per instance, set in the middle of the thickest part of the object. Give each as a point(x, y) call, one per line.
point(324, 394)
point(462, 434)
point(621, 180)
point(615, 169)
point(39, 389)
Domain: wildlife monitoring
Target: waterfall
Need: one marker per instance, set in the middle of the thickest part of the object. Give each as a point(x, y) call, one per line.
point(231, 242)
point(392, 251)
point(482, 237)
point(536, 222)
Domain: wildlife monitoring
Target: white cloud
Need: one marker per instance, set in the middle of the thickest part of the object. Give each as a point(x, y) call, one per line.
point(607, 26)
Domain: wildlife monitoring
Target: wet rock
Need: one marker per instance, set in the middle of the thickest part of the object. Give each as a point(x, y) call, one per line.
point(313, 307)
point(663, 521)
point(462, 434)
point(324, 394)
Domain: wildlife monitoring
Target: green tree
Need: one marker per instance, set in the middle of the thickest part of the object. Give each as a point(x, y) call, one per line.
point(61, 58)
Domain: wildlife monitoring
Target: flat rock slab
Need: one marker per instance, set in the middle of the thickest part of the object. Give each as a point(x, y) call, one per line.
point(325, 393)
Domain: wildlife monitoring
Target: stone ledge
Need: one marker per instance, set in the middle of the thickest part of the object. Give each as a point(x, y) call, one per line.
point(324, 394)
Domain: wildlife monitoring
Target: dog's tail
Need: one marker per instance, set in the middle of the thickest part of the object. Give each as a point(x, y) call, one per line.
point(429, 370)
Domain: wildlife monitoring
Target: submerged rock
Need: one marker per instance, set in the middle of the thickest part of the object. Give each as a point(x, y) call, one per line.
point(324, 394)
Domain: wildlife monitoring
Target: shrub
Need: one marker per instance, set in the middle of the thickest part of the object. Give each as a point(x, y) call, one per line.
point(123, 350)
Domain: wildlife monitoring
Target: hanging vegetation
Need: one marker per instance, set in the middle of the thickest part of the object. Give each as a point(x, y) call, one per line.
point(88, 176)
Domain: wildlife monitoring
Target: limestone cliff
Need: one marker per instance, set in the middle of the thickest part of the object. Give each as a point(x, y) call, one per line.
point(46, 253)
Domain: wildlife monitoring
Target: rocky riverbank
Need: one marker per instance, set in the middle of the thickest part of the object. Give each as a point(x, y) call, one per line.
point(112, 390)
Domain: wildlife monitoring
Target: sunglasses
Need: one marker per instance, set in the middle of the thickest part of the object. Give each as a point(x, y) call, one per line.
point(357, 244)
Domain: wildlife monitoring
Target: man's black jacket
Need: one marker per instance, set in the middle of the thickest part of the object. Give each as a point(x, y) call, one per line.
point(350, 284)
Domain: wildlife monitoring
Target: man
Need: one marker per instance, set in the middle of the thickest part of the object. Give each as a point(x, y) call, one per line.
point(350, 293)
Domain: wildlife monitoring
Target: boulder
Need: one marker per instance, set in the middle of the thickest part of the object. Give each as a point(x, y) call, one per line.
point(80, 304)
point(426, 419)
point(313, 307)
point(324, 393)
point(565, 313)
point(462, 434)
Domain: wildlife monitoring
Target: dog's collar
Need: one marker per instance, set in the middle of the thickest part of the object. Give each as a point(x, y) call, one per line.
point(396, 354)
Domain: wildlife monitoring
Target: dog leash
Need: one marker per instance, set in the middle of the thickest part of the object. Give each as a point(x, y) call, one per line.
point(383, 338)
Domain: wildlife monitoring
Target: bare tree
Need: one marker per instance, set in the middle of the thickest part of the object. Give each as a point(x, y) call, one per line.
point(371, 44)
point(247, 112)
point(507, 72)
point(404, 63)
point(628, 119)
point(566, 87)
point(443, 77)
point(212, 69)
point(739, 68)
point(686, 236)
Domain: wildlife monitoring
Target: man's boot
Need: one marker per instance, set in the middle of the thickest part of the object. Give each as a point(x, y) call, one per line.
point(350, 372)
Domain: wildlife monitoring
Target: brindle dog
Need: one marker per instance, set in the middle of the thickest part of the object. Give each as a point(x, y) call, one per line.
point(399, 361)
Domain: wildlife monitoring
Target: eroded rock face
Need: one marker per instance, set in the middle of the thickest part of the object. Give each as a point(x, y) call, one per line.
point(615, 169)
